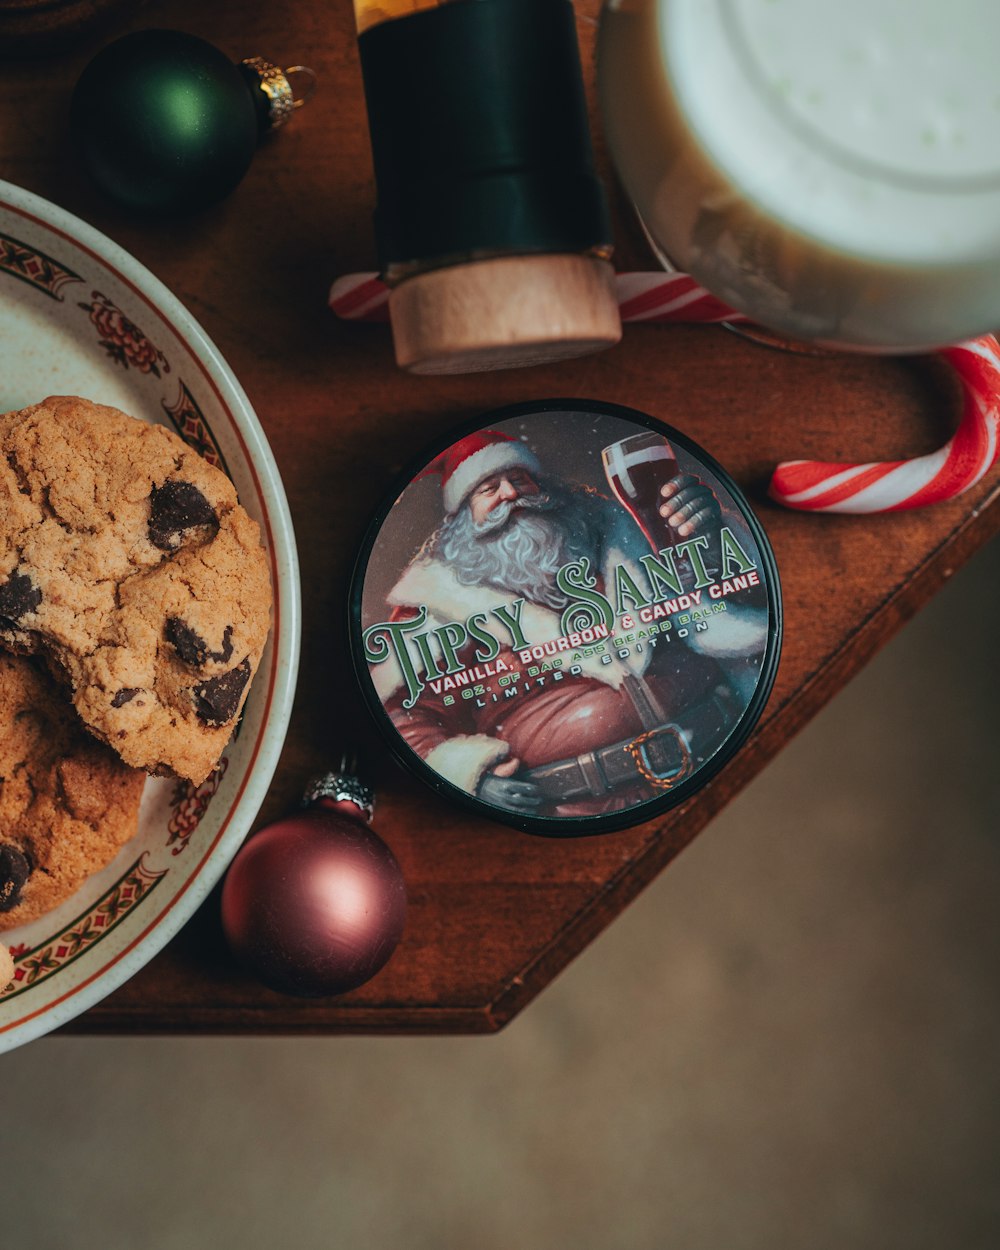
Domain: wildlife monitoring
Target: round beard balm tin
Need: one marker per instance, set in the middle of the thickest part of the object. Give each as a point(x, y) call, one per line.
point(566, 617)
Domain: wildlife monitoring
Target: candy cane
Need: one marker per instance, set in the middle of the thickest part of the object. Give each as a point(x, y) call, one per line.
point(641, 297)
point(668, 297)
point(806, 485)
point(360, 297)
point(892, 485)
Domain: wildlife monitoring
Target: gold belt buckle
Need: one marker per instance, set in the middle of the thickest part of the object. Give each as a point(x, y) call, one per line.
point(637, 749)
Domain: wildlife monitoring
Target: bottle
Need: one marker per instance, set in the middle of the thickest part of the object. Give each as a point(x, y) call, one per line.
point(492, 226)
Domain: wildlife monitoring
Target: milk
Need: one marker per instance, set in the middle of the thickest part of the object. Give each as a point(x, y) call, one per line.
point(831, 170)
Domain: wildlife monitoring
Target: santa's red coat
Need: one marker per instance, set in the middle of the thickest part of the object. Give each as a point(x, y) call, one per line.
point(553, 715)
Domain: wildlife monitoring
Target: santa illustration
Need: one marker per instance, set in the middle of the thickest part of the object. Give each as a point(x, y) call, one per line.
point(608, 726)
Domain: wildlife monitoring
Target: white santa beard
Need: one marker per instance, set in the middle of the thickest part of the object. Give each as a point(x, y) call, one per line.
point(519, 549)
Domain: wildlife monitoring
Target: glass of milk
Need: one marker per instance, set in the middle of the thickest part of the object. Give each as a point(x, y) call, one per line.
point(832, 170)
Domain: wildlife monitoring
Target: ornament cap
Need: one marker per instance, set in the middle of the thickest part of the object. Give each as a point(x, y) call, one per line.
point(341, 787)
point(278, 92)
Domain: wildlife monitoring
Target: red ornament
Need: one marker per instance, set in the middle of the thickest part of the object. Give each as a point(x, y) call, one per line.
point(315, 903)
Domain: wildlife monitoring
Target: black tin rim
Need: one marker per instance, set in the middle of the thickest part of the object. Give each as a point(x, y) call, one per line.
point(612, 822)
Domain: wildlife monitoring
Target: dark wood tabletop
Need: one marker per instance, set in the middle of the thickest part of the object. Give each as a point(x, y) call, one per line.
point(494, 914)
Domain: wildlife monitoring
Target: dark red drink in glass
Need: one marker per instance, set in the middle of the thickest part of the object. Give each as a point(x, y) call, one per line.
point(636, 468)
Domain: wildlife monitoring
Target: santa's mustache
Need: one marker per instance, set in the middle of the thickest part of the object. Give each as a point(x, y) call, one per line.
point(498, 517)
point(520, 545)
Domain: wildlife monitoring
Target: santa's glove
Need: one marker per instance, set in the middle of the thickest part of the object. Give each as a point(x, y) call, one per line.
point(505, 792)
point(689, 506)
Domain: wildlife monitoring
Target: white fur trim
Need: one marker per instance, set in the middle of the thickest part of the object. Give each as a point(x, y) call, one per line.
point(432, 584)
point(483, 464)
point(464, 759)
point(734, 635)
point(387, 677)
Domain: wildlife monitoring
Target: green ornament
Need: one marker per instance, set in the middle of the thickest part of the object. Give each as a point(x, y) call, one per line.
point(167, 124)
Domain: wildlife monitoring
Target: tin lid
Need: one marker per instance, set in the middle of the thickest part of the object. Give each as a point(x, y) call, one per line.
point(566, 617)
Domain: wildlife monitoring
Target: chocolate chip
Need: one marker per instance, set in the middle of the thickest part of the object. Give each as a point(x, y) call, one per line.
point(18, 597)
point(174, 508)
point(227, 647)
point(192, 648)
point(14, 872)
point(125, 695)
point(217, 700)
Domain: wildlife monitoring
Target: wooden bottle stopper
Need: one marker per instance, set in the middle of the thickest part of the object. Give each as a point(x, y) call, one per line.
point(504, 313)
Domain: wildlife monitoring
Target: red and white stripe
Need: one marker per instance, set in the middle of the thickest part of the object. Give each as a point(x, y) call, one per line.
point(669, 297)
point(641, 297)
point(360, 297)
point(893, 485)
point(807, 485)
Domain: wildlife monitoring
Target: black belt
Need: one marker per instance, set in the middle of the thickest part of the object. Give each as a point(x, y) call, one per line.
point(660, 757)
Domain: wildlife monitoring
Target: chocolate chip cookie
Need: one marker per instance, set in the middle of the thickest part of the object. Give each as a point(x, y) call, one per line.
point(67, 802)
point(128, 564)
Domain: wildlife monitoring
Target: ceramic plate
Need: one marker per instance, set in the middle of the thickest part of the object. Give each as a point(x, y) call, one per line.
point(80, 316)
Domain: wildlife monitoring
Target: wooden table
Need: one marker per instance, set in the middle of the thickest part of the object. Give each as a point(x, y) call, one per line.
point(494, 914)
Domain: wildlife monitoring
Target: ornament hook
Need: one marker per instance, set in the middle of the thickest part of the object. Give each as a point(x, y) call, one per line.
point(340, 787)
point(278, 89)
point(304, 93)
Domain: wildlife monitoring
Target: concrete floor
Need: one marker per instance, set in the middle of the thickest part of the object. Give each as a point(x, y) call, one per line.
point(790, 1040)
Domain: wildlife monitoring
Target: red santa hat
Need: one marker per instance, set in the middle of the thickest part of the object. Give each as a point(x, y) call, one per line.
point(473, 459)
